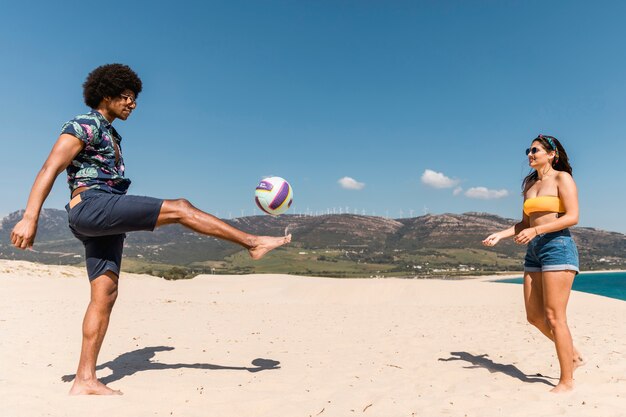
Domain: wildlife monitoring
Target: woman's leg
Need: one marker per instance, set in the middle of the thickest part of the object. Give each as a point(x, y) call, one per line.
point(535, 310)
point(557, 286)
point(183, 212)
point(533, 301)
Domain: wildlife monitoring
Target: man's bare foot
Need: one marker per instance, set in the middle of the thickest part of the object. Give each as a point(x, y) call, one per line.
point(264, 244)
point(563, 387)
point(92, 388)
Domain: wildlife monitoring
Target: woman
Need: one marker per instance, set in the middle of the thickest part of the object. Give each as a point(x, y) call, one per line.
point(551, 262)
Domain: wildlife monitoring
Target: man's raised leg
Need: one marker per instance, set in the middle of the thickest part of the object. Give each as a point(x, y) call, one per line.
point(183, 212)
point(103, 295)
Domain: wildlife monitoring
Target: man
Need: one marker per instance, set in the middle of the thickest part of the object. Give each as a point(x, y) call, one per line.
point(100, 212)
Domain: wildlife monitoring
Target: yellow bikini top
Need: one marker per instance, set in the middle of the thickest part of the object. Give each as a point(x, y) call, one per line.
point(550, 203)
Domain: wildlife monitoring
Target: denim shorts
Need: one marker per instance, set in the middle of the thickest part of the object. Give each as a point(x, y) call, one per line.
point(101, 220)
point(555, 251)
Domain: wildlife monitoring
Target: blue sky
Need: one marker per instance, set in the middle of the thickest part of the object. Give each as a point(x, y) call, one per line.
point(356, 103)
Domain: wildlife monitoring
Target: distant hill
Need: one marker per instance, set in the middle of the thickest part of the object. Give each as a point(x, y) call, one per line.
point(331, 245)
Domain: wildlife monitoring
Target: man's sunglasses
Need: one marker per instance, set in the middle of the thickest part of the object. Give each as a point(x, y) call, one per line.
point(132, 99)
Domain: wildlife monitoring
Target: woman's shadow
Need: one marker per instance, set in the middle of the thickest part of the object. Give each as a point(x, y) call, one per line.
point(481, 361)
point(141, 360)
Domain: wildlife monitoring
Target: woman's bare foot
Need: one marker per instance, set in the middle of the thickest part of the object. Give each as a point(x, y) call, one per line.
point(578, 359)
point(92, 387)
point(563, 387)
point(578, 362)
point(264, 244)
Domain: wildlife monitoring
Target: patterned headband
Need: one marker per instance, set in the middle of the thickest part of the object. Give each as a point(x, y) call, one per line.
point(553, 146)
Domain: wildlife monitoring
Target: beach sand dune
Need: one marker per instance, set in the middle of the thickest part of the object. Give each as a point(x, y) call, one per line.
point(275, 345)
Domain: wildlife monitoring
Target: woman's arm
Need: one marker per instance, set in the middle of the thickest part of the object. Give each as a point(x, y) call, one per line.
point(494, 238)
point(569, 195)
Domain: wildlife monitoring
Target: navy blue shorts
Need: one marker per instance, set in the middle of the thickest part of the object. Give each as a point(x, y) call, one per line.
point(554, 251)
point(102, 219)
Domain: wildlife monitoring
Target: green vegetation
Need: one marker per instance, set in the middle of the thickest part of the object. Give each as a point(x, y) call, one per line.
point(341, 264)
point(166, 271)
point(297, 261)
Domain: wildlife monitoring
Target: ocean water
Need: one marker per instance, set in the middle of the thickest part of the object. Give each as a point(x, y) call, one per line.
point(608, 284)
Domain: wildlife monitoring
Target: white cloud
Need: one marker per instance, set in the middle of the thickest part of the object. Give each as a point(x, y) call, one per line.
point(457, 191)
point(351, 184)
point(484, 193)
point(437, 179)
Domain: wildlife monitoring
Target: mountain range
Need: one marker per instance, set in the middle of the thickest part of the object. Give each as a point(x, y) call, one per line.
point(330, 245)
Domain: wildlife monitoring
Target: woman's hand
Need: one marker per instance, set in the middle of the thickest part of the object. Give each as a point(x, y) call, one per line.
point(526, 235)
point(492, 239)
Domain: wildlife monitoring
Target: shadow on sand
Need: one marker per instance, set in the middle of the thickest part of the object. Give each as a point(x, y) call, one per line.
point(140, 360)
point(481, 361)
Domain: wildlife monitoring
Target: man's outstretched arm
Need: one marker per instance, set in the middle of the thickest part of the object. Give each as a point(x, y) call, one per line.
point(64, 151)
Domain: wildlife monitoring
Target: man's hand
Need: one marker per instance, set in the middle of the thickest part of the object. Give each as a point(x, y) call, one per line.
point(23, 234)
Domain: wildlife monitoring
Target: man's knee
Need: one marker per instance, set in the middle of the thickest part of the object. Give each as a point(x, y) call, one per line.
point(104, 290)
point(174, 211)
point(108, 300)
point(183, 205)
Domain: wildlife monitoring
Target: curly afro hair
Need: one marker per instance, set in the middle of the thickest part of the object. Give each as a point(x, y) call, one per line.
point(109, 80)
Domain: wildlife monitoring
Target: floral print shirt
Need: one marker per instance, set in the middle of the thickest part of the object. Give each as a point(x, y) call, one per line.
point(95, 166)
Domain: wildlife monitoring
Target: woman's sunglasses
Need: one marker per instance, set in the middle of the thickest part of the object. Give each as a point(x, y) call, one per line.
point(533, 150)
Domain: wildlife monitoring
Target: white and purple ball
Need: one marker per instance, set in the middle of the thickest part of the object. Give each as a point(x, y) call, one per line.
point(273, 195)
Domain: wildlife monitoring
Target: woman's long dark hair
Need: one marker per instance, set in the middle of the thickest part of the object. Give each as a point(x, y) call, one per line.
point(560, 164)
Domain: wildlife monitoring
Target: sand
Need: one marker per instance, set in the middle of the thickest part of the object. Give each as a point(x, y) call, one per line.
point(276, 345)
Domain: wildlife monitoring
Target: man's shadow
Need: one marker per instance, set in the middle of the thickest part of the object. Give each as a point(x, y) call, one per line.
point(481, 361)
point(140, 360)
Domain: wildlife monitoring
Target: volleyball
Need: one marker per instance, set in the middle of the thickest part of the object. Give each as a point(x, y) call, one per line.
point(273, 195)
